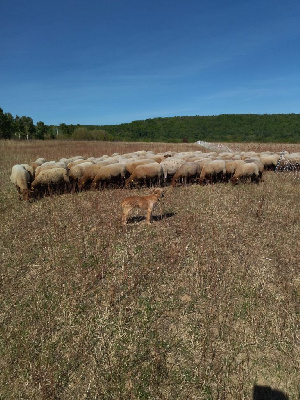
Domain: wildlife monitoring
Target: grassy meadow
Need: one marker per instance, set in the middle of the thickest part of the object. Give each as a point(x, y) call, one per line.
point(202, 304)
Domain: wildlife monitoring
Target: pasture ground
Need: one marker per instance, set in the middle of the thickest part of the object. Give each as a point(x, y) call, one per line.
point(203, 304)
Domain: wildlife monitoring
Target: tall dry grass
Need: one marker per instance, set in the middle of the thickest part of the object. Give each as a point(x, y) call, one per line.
point(203, 304)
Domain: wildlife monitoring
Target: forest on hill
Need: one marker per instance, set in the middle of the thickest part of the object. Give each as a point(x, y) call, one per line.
point(230, 127)
point(264, 128)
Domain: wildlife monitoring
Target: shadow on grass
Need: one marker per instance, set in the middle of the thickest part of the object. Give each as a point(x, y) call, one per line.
point(267, 393)
point(140, 218)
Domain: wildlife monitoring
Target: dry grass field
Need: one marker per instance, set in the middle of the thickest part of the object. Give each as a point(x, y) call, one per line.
point(202, 304)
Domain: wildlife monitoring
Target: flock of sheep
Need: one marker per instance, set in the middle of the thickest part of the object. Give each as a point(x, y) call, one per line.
point(145, 167)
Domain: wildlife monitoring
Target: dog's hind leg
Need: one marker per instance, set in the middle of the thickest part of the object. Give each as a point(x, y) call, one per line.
point(125, 214)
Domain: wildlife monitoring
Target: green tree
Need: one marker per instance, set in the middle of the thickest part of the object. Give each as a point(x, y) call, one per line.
point(65, 130)
point(41, 130)
point(19, 128)
point(91, 134)
point(29, 127)
point(52, 132)
point(24, 128)
point(6, 125)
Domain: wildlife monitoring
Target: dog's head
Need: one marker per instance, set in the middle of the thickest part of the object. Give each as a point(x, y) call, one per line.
point(158, 192)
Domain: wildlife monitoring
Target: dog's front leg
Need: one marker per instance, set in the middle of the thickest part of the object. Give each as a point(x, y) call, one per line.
point(149, 216)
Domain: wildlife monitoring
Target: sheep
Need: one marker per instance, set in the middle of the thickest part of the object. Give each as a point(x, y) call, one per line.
point(37, 163)
point(245, 172)
point(157, 157)
point(169, 154)
point(270, 161)
point(290, 162)
point(258, 162)
point(293, 157)
point(213, 171)
point(128, 155)
point(193, 158)
point(71, 159)
point(114, 173)
point(231, 166)
point(95, 160)
point(170, 165)
point(186, 172)
point(109, 160)
point(283, 165)
point(149, 173)
point(248, 154)
point(88, 175)
point(133, 163)
point(209, 167)
point(293, 161)
point(21, 178)
point(76, 172)
point(140, 153)
point(30, 169)
point(225, 155)
point(75, 162)
point(40, 160)
point(49, 179)
point(49, 165)
point(202, 162)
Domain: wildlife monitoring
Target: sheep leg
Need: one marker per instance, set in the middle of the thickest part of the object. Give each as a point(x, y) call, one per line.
point(255, 179)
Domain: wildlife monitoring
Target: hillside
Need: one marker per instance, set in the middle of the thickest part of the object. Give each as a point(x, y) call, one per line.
point(266, 128)
point(284, 128)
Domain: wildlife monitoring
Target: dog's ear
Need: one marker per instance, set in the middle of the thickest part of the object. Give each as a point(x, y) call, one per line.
point(157, 191)
point(160, 192)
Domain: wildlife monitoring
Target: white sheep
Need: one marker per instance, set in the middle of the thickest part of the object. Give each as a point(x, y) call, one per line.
point(148, 173)
point(258, 162)
point(37, 163)
point(157, 157)
point(269, 161)
point(186, 172)
point(292, 161)
point(132, 163)
point(75, 162)
point(30, 169)
point(40, 160)
point(89, 174)
point(49, 180)
point(170, 166)
point(231, 166)
point(246, 171)
point(21, 178)
point(76, 172)
point(213, 171)
point(49, 165)
point(71, 159)
point(114, 173)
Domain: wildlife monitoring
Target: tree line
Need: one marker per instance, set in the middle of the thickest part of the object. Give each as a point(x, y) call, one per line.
point(280, 128)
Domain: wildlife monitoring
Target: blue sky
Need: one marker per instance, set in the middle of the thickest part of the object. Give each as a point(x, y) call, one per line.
point(114, 61)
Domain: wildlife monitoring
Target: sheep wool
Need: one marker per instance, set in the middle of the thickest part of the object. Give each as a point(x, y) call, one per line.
point(151, 172)
point(21, 178)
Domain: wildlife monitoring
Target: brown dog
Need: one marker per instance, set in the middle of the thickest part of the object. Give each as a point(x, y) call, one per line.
point(144, 202)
